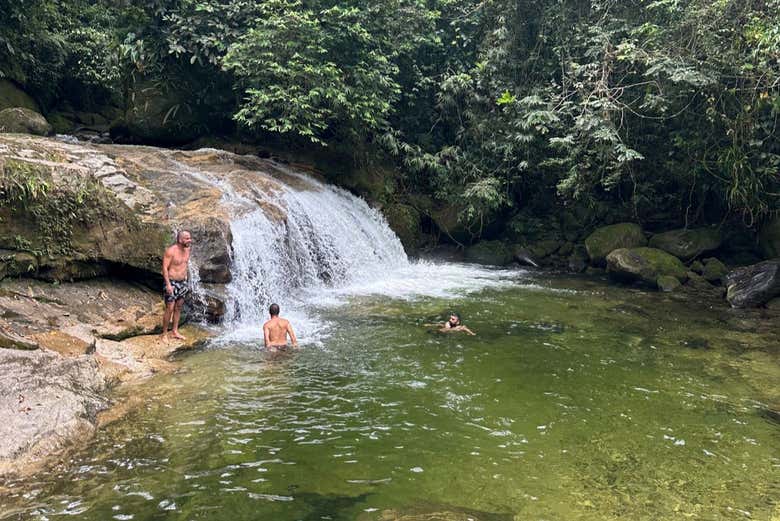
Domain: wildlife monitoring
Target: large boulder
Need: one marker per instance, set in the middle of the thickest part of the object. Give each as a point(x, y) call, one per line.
point(12, 96)
point(46, 403)
point(609, 238)
point(769, 238)
point(20, 120)
point(645, 264)
point(687, 243)
point(753, 286)
point(494, 253)
point(212, 253)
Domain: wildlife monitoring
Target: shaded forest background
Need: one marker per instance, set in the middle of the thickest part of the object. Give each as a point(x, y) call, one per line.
point(493, 114)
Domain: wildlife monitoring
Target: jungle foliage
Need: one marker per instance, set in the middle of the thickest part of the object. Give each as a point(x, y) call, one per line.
point(666, 109)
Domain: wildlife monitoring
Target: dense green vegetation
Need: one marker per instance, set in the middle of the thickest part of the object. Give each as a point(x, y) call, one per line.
point(665, 110)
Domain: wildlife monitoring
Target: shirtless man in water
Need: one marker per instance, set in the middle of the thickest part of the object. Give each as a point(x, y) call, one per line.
point(174, 271)
point(454, 324)
point(275, 331)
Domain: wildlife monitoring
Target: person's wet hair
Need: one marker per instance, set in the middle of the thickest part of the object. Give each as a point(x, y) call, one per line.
point(274, 310)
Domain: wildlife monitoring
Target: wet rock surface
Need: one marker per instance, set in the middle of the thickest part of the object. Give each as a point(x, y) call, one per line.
point(47, 402)
point(753, 286)
point(62, 347)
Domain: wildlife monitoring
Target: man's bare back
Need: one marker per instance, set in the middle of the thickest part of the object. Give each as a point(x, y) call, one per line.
point(275, 331)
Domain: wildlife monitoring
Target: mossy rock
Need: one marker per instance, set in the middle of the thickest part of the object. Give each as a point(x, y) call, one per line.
point(609, 238)
point(12, 96)
point(687, 244)
point(714, 270)
point(494, 253)
point(667, 283)
point(697, 267)
point(23, 121)
point(769, 238)
point(404, 220)
point(646, 264)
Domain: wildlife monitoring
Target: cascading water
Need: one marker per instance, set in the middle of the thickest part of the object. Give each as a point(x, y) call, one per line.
point(295, 241)
point(328, 238)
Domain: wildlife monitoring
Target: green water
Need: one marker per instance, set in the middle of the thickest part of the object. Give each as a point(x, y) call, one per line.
point(597, 403)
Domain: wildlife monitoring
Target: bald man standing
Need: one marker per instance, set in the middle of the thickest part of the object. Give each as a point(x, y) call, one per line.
point(175, 267)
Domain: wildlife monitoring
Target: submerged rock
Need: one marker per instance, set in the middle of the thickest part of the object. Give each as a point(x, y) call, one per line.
point(609, 238)
point(23, 121)
point(753, 286)
point(687, 243)
point(646, 264)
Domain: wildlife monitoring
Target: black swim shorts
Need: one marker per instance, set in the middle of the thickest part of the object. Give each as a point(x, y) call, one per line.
point(180, 290)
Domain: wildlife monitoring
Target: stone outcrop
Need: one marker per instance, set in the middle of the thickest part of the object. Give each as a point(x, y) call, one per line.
point(687, 243)
point(47, 402)
point(140, 195)
point(61, 348)
point(645, 264)
point(609, 238)
point(755, 285)
point(24, 121)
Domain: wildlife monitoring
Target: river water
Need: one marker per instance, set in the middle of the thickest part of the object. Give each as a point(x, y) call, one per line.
point(576, 400)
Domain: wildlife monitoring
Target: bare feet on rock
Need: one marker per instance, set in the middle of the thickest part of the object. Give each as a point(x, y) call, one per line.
point(177, 335)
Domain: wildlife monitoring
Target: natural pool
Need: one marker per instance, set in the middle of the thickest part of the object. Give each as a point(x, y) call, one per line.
point(577, 400)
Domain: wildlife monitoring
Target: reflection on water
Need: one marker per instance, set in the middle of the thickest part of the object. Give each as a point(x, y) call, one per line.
point(599, 403)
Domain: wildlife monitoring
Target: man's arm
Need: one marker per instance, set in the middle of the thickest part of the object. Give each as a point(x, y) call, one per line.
point(167, 258)
point(467, 330)
point(292, 335)
point(266, 337)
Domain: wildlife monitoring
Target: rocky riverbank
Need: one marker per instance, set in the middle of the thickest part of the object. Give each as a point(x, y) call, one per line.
point(65, 347)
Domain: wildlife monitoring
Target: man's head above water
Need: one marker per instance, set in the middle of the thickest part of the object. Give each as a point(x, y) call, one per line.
point(184, 238)
point(454, 319)
point(273, 310)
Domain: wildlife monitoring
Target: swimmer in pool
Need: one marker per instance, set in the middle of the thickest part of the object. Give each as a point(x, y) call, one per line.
point(454, 324)
point(276, 331)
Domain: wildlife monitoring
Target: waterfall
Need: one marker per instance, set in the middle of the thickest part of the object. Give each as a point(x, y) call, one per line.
point(327, 238)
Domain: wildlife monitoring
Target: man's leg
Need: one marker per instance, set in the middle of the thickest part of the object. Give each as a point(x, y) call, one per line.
point(176, 315)
point(167, 314)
